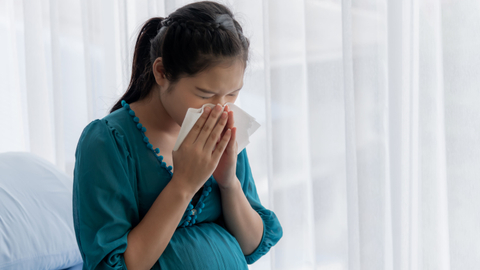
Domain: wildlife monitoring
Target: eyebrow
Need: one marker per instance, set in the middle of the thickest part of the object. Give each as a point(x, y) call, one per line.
point(210, 92)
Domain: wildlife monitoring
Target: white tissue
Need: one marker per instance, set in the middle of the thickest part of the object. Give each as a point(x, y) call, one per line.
point(245, 124)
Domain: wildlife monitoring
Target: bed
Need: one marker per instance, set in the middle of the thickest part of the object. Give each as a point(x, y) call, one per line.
point(36, 222)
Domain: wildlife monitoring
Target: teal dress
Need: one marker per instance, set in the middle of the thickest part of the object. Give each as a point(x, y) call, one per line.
point(118, 176)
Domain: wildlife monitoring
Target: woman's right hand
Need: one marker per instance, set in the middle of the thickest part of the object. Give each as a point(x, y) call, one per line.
point(195, 160)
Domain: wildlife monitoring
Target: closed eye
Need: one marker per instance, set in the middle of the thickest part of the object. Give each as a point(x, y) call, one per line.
point(210, 92)
point(212, 96)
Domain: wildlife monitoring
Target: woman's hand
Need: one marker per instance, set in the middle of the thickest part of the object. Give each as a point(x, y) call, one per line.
point(225, 172)
point(195, 160)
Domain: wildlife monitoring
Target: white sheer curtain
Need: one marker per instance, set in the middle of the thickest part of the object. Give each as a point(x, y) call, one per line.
point(370, 141)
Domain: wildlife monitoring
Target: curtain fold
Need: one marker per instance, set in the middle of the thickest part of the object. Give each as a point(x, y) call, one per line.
point(432, 139)
point(368, 149)
point(351, 177)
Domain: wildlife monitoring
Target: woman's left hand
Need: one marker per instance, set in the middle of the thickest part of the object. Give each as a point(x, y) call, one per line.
point(225, 172)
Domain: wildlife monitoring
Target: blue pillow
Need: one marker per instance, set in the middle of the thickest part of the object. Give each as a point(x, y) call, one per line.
point(36, 221)
point(75, 267)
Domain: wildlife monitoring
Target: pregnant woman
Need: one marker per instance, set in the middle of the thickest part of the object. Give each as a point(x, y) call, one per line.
point(137, 204)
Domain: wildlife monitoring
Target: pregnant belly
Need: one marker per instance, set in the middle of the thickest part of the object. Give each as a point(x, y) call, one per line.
point(203, 246)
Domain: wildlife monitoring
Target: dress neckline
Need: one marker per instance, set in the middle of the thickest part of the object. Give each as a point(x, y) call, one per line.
point(145, 139)
point(190, 215)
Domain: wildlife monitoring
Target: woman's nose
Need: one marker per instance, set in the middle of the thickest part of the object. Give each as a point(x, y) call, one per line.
point(221, 101)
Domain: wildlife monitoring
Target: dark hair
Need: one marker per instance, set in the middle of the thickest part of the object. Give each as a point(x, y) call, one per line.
point(192, 39)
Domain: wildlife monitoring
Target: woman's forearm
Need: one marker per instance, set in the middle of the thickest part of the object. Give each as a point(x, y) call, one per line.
point(148, 240)
point(241, 219)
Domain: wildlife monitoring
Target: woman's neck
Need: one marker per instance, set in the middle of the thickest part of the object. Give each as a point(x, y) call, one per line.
point(153, 115)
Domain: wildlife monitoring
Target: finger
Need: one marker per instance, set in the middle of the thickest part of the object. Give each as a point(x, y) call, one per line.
point(216, 133)
point(222, 145)
point(193, 133)
point(231, 145)
point(230, 123)
point(209, 125)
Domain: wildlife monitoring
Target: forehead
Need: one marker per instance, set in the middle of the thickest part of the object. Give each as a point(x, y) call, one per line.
point(224, 77)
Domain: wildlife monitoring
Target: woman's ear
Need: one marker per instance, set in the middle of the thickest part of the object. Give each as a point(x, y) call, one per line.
point(159, 72)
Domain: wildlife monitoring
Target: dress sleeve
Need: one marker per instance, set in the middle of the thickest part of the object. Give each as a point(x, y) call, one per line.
point(272, 230)
point(104, 197)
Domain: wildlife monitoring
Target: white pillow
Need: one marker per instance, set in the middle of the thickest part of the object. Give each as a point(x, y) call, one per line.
point(36, 221)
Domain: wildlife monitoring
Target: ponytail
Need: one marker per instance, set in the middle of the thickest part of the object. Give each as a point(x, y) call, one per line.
point(142, 75)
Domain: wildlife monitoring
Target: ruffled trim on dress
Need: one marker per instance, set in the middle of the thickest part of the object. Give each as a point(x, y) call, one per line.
point(143, 129)
point(272, 232)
